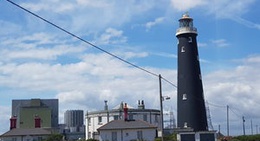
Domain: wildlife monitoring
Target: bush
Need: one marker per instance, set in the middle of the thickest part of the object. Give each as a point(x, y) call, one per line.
point(54, 137)
point(248, 138)
point(172, 137)
point(92, 140)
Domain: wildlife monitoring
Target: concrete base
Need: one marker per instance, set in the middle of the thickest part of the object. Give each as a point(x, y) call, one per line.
point(197, 136)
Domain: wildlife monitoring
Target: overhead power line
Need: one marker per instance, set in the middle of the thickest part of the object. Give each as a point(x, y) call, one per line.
point(87, 42)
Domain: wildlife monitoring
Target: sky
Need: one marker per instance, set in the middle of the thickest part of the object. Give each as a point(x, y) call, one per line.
point(37, 60)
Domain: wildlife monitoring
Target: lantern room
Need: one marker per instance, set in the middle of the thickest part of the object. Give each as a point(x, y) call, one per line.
point(186, 25)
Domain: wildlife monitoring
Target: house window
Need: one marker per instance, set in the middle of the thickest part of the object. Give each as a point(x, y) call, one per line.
point(145, 117)
point(156, 119)
point(116, 117)
point(99, 119)
point(39, 138)
point(139, 135)
point(131, 116)
point(89, 121)
point(14, 139)
point(114, 136)
point(184, 97)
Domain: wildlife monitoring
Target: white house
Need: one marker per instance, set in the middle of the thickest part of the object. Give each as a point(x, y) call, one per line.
point(96, 119)
point(127, 130)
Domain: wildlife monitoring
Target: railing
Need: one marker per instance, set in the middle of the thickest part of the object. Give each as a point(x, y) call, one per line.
point(186, 29)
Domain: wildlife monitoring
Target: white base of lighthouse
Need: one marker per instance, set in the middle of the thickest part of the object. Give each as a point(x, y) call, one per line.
point(197, 136)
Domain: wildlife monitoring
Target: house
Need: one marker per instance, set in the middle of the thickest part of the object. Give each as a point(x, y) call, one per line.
point(25, 134)
point(127, 130)
point(32, 120)
point(96, 119)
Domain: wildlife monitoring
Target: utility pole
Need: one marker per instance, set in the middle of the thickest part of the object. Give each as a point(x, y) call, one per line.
point(161, 104)
point(244, 132)
point(227, 120)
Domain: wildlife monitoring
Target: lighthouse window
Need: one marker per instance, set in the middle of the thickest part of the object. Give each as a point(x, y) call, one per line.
point(184, 97)
point(182, 49)
point(190, 40)
point(185, 124)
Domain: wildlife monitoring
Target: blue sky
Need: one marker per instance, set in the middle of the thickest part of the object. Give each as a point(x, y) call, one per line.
point(40, 61)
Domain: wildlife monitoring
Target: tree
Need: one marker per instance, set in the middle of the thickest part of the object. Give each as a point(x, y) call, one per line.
point(54, 137)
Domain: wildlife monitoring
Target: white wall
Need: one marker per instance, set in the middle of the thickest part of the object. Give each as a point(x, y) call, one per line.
point(127, 135)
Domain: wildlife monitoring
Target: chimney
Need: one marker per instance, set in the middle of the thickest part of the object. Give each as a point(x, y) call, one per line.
point(13, 121)
point(125, 112)
point(106, 106)
point(140, 105)
point(37, 122)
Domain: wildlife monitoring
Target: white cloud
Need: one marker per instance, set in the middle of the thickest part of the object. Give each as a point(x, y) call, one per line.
point(9, 28)
point(169, 55)
point(46, 6)
point(111, 36)
point(187, 4)
point(233, 10)
point(247, 23)
point(97, 76)
point(39, 46)
point(5, 113)
point(149, 25)
point(202, 44)
point(236, 87)
point(220, 43)
point(228, 9)
point(253, 59)
point(91, 16)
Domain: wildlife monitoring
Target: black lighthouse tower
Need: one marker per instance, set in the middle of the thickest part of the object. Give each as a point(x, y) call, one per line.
point(190, 104)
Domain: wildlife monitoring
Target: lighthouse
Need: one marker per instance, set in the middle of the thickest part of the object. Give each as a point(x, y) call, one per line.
point(191, 113)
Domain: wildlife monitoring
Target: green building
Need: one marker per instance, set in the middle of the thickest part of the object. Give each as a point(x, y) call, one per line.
point(36, 112)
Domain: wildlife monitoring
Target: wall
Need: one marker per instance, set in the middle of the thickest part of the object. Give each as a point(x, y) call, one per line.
point(27, 116)
point(128, 134)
